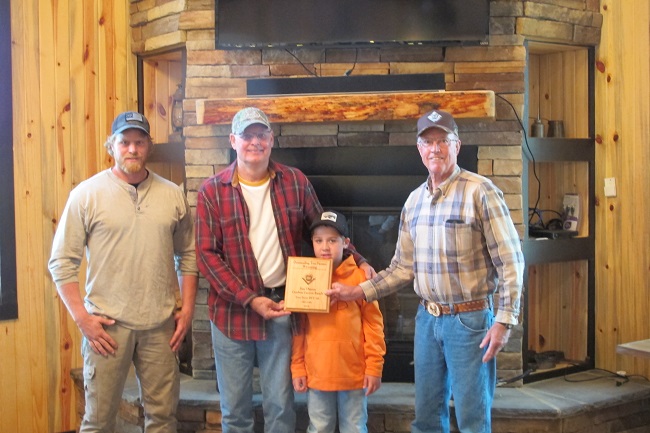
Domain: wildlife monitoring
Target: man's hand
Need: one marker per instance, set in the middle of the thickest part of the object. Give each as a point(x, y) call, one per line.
point(92, 328)
point(342, 292)
point(90, 325)
point(183, 319)
point(495, 339)
point(268, 309)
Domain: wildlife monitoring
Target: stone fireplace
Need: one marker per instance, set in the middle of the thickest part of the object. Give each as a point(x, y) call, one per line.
point(221, 77)
point(371, 193)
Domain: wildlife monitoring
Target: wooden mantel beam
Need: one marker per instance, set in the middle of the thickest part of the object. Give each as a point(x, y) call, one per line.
point(350, 106)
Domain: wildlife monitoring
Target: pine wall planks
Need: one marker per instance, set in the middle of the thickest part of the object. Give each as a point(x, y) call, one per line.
point(73, 72)
point(623, 152)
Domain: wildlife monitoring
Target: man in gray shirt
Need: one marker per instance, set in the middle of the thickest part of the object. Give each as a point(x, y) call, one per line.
point(136, 230)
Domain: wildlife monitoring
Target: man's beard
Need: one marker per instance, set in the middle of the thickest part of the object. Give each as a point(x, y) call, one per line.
point(131, 167)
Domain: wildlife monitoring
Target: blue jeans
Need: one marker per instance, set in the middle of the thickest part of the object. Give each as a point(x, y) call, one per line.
point(235, 360)
point(351, 407)
point(448, 359)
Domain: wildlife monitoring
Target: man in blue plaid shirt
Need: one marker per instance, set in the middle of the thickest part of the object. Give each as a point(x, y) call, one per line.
point(458, 245)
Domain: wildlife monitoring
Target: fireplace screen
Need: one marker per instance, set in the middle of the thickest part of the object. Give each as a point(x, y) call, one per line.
point(375, 235)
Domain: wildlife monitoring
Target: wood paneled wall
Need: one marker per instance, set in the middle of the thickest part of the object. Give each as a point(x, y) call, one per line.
point(623, 152)
point(73, 72)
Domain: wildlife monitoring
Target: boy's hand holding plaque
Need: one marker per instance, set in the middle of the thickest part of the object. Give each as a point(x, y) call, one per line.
point(307, 280)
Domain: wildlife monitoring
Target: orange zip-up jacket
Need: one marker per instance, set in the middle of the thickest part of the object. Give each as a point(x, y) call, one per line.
point(336, 350)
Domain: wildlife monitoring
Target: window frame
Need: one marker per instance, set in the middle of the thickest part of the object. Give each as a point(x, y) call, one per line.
point(8, 280)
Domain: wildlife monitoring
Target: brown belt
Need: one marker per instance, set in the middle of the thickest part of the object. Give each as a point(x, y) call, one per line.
point(436, 309)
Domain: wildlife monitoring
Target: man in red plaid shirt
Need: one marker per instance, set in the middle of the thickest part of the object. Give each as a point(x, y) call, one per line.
point(250, 217)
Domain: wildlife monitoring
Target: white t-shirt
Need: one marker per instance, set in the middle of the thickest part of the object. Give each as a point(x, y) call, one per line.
point(263, 233)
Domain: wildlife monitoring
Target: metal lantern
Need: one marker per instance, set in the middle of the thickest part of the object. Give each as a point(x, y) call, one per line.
point(177, 108)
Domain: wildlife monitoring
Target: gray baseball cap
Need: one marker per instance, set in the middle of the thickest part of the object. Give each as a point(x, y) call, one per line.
point(246, 117)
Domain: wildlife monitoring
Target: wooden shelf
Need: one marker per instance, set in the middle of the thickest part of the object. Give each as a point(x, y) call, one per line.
point(561, 149)
point(350, 106)
point(559, 304)
point(562, 166)
point(557, 250)
point(559, 87)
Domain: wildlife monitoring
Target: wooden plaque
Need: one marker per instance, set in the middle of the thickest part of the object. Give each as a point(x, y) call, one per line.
point(307, 280)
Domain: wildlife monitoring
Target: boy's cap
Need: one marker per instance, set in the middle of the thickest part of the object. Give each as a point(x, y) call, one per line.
point(437, 119)
point(246, 117)
point(334, 219)
point(129, 120)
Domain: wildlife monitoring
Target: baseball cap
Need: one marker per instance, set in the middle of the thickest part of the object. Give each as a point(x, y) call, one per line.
point(129, 120)
point(334, 219)
point(437, 119)
point(246, 117)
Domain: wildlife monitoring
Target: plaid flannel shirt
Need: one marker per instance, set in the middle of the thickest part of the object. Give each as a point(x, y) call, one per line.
point(224, 253)
point(457, 243)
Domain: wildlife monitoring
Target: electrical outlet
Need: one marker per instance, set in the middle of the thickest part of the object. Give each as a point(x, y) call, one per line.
point(571, 211)
point(610, 187)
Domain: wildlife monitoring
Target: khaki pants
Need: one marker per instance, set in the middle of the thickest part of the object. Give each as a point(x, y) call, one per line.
point(156, 368)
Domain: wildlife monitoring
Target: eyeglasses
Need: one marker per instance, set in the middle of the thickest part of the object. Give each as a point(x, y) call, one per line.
point(441, 142)
point(262, 136)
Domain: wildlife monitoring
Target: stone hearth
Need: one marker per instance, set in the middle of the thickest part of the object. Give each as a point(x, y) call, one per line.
point(587, 402)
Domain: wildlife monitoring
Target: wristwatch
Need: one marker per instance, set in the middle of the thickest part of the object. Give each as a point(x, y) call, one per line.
point(506, 325)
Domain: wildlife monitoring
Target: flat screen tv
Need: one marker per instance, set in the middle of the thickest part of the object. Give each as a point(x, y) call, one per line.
point(336, 23)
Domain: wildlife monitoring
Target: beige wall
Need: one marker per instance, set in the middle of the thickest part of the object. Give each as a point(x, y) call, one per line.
point(73, 72)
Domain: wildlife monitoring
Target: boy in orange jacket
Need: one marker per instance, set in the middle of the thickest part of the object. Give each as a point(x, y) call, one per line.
point(338, 356)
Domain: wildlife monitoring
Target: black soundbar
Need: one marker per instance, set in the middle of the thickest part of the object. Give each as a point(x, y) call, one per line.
point(345, 84)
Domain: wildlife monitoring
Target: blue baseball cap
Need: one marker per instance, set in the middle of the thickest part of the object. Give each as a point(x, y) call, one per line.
point(130, 120)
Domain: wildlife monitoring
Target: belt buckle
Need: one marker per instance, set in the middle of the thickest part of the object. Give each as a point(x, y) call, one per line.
point(433, 309)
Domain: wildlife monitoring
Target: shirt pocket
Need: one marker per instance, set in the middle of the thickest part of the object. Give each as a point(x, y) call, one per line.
point(232, 227)
point(458, 238)
point(294, 215)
